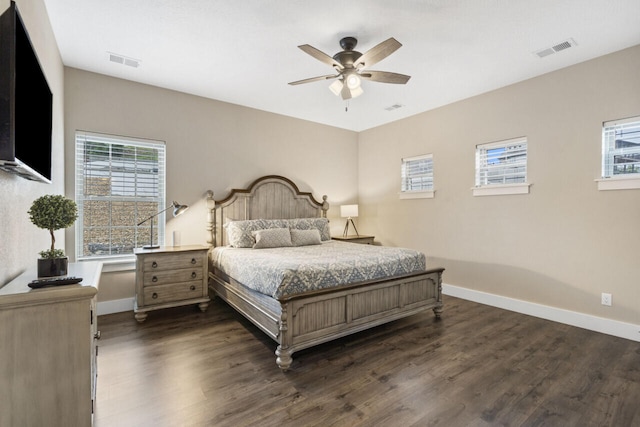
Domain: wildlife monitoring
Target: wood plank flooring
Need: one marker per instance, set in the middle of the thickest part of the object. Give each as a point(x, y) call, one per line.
point(477, 366)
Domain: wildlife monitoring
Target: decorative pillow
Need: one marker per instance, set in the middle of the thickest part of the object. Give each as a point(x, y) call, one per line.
point(320, 224)
point(272, 238)
point(305, 237)
point(239, 233)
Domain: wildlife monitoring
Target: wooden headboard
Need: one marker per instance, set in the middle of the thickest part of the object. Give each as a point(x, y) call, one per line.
point(269, 197)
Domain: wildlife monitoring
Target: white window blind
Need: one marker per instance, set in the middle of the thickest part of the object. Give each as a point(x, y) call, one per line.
point(417, 173)
point(621, 147)
point(120, 182)
point(500, 163)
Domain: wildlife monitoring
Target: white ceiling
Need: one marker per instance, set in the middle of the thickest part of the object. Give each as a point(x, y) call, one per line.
point(245, 51)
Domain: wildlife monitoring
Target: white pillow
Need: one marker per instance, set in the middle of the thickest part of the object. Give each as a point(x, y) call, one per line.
point(305, 237)
point(272, 238)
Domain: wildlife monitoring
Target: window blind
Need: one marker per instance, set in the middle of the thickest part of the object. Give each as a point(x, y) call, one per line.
point(503, 162)
point(621, 147)
point(120, 182)
point(417, 173)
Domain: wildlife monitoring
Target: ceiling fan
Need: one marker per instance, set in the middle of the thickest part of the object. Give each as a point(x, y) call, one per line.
point(352, 66)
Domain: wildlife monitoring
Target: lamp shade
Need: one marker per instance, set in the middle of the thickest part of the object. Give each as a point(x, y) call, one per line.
point(353, 81)
point(336, 87)
point(349, 211)
point(179, 209)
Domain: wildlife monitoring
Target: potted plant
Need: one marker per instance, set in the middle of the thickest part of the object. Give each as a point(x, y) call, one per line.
point(53, 212)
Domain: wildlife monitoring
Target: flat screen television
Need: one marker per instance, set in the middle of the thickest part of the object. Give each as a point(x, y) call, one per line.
point(26, 103)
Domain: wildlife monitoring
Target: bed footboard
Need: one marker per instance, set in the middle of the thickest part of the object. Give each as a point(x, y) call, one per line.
point(314, 318)
point(310, 320)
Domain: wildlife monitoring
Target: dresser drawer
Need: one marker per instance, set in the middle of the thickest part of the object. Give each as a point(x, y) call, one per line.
point(154, 278)
point(172, 261)
point(175, 292)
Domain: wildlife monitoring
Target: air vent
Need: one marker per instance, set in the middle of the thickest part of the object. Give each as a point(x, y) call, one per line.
point(116, 58)
point(562, 46)
point(394, 107)
point(120, 59)
point(556, 48)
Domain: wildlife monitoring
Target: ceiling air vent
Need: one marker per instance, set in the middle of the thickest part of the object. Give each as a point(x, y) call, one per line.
point(556, 48)
point(394, 107)
point(120, 59)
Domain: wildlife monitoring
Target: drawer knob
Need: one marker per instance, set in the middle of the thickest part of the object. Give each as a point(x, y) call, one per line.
point(154, 264)
point(154, 296)
point(97, 335)
point(193, 275)
point(154, 279)
point(193, 260)
point(192, 287)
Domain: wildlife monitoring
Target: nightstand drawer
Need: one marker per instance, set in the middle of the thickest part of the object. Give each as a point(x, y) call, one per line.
point(172, 261)
point(174, 292)
point(154, 278)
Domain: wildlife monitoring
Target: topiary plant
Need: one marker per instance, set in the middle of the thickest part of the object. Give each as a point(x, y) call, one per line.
point(53, 212)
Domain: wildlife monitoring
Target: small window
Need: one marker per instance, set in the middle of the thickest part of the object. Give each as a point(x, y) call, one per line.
point(620, 154)
point(417, 177)
point(501, 168)
point(119, 182)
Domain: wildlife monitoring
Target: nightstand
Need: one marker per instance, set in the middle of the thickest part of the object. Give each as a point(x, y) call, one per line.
point(352, 238)
point(170, 276)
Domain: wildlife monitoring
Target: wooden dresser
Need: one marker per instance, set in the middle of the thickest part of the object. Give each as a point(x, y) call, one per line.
point(170, 276)
point(48, 350)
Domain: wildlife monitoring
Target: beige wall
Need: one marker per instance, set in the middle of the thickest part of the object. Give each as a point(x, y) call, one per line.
point(210, 145)
point(562, 244)
point(20, 240)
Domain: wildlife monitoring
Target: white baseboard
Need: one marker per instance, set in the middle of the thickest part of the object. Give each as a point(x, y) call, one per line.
point(593, 323)
point(573, 318)
point(115, 306)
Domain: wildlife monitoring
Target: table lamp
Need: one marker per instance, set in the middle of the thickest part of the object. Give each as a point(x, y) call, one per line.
point(349, 212)
point(178, 209)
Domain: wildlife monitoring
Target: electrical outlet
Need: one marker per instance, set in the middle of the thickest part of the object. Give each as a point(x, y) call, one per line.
point(606, 299)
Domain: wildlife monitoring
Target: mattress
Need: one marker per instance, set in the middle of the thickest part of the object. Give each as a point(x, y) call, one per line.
point(286, 271)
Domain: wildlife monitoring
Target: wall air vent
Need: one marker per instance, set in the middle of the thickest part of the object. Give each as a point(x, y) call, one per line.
point(556, 48)
point(120, 59)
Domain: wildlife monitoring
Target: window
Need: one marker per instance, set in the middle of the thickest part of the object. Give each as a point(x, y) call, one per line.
point(417, 177)
point(620, 154)
point(501, 168)
point(119, 183)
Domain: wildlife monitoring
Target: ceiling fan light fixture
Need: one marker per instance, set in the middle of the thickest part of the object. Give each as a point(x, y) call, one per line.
point(349, 65)
point(353, 81)
point(356, 92)
point(336, 87)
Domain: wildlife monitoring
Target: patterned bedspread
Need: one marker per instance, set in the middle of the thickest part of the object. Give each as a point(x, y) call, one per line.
point(286, 271)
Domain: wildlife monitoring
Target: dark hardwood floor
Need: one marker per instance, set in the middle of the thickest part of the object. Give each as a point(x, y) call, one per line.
point(477, 366)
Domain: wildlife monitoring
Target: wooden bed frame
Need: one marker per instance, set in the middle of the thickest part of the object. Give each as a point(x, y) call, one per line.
point(308, 319)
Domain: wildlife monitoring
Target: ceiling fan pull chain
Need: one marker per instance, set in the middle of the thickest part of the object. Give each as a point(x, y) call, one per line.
point(346, 107)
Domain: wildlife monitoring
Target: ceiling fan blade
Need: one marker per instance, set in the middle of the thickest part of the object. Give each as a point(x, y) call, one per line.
point(315, 79)
point(378, 53)
point(321, 56)
point(385, 77)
